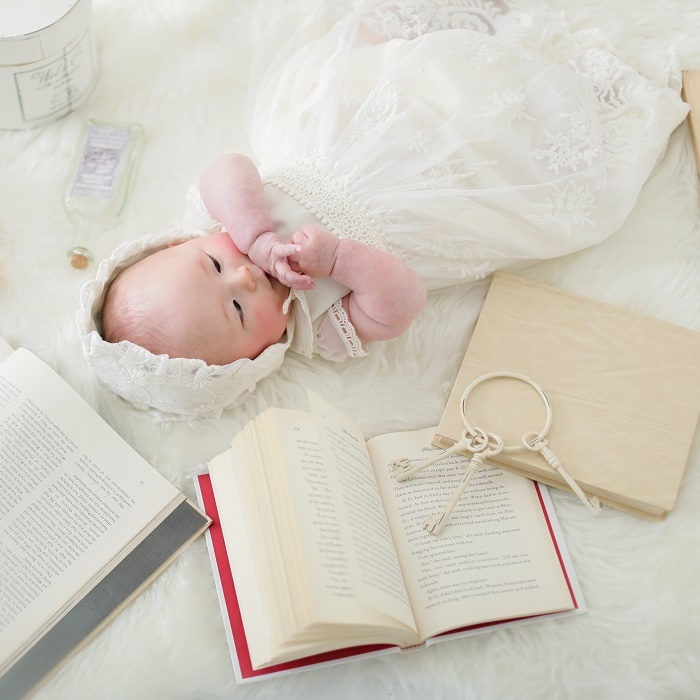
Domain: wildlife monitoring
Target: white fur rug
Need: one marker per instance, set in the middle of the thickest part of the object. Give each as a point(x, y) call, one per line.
point(179, 68)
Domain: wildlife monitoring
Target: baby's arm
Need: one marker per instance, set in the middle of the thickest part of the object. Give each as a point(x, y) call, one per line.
point(386, 295)
point(232, 192)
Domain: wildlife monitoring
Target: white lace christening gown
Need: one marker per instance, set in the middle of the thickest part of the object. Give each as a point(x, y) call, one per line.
point(463, 136)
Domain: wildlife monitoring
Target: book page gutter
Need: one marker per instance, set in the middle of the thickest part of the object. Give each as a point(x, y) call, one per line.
point(372, 556)
point(494, 560)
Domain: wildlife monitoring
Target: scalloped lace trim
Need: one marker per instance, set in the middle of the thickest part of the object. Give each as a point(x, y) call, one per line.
point(346, 331)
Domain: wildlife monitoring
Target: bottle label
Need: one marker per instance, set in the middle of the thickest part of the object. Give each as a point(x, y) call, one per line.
point(101, 162)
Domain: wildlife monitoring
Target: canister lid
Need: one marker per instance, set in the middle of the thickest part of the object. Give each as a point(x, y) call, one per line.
point(32, 30)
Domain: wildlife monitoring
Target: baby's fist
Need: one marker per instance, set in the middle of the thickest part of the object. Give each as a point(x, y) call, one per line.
point(317, 252)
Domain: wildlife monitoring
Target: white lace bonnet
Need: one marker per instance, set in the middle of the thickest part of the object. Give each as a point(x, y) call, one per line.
point(179, 387)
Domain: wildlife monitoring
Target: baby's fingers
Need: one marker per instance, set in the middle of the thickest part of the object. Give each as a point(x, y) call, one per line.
point(298, 281)
point(284, 250)
point(300, 237)
point(284, 273)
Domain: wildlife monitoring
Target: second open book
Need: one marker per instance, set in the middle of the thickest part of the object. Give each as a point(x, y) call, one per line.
point(323, 549)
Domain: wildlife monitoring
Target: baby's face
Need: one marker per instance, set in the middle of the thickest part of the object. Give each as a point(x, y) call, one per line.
point(215, 304)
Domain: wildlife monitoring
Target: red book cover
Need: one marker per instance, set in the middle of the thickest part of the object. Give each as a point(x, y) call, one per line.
point(232, 614)
point(233, 621)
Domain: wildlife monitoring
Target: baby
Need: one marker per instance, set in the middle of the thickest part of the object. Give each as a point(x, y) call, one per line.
point(221, 297)
point(402, 147)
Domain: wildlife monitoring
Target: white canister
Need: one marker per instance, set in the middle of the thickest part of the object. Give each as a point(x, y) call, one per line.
point(47, 60)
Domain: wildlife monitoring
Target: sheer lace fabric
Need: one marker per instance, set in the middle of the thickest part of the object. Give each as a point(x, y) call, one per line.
point(463, 137)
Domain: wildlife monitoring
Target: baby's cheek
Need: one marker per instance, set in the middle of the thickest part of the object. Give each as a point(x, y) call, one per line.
point(275, 320)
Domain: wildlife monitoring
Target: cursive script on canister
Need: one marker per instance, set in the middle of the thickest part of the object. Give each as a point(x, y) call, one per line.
point(47, 60)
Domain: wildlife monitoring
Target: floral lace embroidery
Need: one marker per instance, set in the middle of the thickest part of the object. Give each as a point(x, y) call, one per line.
point(566, 150)
point(664, 70)
point(346, 331)
point(408, 19)
point(624, 110)
point(466, 260)
point(624, 103)
point(419, 143)
point(326, 194)
point(570, 205)
point(412, 18)
point(375, 111)
point(481, 52)
point(511, 103)
point(450, 172)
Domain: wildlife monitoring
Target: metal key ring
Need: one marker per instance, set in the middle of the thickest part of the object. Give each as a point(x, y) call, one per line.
point(510, 375)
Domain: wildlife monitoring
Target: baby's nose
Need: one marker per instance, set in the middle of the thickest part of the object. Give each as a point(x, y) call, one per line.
point(244, 278)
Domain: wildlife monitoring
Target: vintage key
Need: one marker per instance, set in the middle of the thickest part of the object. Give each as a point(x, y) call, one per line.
point(467, 442)
point(593, 504)
point(437, 523)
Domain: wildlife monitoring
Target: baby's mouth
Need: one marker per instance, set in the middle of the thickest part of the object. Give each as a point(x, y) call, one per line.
point(275, 283)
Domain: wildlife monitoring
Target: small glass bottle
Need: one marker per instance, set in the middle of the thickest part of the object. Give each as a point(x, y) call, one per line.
point(98, 184)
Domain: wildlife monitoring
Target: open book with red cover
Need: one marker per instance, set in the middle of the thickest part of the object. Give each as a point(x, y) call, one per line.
point(501, 560)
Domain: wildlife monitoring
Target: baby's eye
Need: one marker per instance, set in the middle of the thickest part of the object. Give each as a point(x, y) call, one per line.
point(238, 308)
point(217, 265)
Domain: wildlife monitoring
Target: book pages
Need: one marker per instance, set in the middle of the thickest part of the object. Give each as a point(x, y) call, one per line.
point(495, 560)
point(80, 509)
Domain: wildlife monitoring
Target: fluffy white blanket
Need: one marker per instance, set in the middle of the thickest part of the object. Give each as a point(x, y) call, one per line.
point(179, 68)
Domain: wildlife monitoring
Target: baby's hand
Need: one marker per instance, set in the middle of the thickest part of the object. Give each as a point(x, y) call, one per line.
point(317, 250)
point(280, 257)
point(273, 256)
